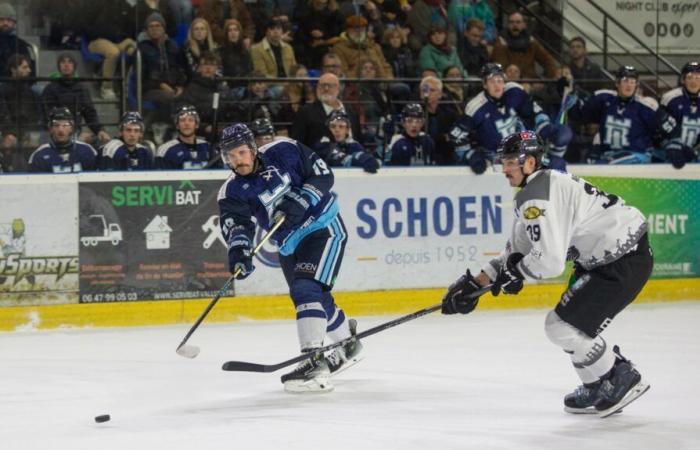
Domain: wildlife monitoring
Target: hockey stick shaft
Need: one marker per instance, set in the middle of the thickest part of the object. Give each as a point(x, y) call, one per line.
point(222, 291)
point(241, 366)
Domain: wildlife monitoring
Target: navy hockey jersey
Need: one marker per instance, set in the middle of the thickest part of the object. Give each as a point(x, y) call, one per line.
point(76, 157)
point(175, 155)
point(407, 151)
point(686, 113)
point(115, 155)
point(285, 165)
point(338, 154)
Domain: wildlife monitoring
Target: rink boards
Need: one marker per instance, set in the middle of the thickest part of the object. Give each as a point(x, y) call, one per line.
point(137, 249)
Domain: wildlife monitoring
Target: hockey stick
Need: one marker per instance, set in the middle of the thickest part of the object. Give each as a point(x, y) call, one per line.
point(191, 351)
point(240, 366)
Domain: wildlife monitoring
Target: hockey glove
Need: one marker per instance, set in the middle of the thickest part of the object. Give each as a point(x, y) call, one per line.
point(554, 162)
point(240, 259)
point(458, 298)
point(368, 162)
point(476, 160)
point(509, 279)
point(595, 155)
point(676, 152)
point(293, 205)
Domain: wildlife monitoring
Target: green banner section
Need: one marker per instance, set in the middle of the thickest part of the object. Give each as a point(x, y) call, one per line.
point(672, 209)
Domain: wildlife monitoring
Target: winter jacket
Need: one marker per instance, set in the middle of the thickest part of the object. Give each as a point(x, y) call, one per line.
point(432, 57)
point(264, 58)
point(351, 53)
point(535, 52)
point(161, 64)
point(75, 96)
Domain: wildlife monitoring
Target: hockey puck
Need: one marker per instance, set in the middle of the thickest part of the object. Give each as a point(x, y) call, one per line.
point(102, 418)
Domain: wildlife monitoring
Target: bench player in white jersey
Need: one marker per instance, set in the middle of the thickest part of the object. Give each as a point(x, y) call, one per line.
point(559, 216)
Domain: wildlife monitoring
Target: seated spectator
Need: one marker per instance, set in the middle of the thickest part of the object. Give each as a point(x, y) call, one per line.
point(10, 44)
point(354, 45)
point(423, 15)
point(163, 77)
point(235, 56)
point(453, 88)
point(144, 8)
point(255, 102)
point(394, 17)
point(309, 125)
point(472, 52)
point(411, 146)
point(398, 55)
point(216, 12)
point(587, 74)
point(187, 150)
point(369, 100)
point(201, 89)
point(437, 54)
point(199, 40)
point(263, 131)
point(340, 150)
point(23, 114)
point(319, 28)
point(296, 95)
point(461, 12)
point(272, 57)
point(516, 46)
point(109, 35)
point(331, 63)
point(62, 154)
point(127, 152)
point(513, 73)
point(67, 91)
point(441, 117)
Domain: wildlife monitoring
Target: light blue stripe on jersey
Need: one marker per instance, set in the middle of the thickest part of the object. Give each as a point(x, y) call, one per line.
point(314, 196)
point(338, 237)
point(329, 213)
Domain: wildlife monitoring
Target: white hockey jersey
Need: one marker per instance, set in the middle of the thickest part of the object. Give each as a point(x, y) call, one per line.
point(560, 217)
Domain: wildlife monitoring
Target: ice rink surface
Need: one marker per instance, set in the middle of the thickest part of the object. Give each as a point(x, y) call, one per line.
point(489, 380)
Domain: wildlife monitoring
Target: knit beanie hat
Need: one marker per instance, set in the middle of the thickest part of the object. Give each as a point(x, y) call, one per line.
point(155, 17)
point(7, 11)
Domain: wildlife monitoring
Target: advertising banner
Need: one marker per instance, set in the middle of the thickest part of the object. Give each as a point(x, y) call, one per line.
point(38, 242)
point(672, 209)
point(150, 240)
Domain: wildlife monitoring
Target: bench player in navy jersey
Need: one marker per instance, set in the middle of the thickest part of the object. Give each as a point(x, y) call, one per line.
point(127, 152)
point(683, 104)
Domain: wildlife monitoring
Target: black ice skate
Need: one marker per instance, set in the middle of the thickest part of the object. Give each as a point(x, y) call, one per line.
point(311, 375)
point(623, 386)
point(583, 399)
point(346, 356)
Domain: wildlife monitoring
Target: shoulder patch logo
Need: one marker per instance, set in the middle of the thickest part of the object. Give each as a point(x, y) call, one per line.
point(533, 212)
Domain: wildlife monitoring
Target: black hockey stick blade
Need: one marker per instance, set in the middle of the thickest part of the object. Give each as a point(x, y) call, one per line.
point(242, 366)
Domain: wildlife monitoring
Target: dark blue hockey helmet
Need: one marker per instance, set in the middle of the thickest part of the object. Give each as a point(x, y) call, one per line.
point(131, 117)
point(520, 145)
point(690, 66)
point(60, 113)
point(337, 115)
point(492, 70)
point(234, 136)
point(626, 72)
point(185, 110)
point(262, 127)
point(412, 110)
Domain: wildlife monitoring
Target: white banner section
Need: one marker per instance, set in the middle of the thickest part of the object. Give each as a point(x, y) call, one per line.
point(411, 228)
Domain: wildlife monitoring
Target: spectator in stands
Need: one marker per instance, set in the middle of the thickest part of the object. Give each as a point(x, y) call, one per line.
point(295, 96)
point(10, 44)
point(423, 15)
point(411, 146)
point(441, 117)
point(340, 150)
point(394, 17)
point(187, 150)
point(472, 51)
point(368, 100)
point(319, 28)
point(513, 73)
point(23, 112)
point(331, 63)
point(309, 125)
point(235, 57)
point(109, 35)
point(144, 8)
point(163, 77)
point(397, 53)
point(516, 46)
point(583, 68)
point(453, 88)
point(216, 12)
point(354, 45)
point(67, 91)
point(199, 40)
point(256, 102)
point(201, 89)
point(461, 12)
point(438, 54)
point(62, 154)
point(127, 152)
point(272, 57)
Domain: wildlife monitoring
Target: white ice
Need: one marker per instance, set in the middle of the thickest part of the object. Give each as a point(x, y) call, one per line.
point(489, 380)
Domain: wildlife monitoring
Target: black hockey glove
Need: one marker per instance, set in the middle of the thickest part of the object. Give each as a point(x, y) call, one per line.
point(676, 152)
point(476, 160)
point(368, 162)
point(458, 298)
point(240, 258)
point(509, 279)
point(293, 206)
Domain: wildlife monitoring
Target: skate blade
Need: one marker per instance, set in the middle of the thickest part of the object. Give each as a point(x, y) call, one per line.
point(349, 363)
point(590, 410)
point(313, 386)
point(633, 394)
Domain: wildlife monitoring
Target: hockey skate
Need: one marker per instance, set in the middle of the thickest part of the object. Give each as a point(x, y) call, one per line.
point(311, 375)
point(583, 399)
point(622, 387)
point(346, 356)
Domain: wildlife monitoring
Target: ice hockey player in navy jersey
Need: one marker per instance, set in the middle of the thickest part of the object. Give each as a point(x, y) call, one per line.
point(127, 153)
point(683, 105)
point(411, 146)
point(62, 154)
point(503, 108)
point(629, 126)
point(187, 150)
point(287, 179)
point(341, 150)
point(560, 217)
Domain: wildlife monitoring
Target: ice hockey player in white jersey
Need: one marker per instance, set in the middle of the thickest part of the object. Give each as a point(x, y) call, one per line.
point(559, 216)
